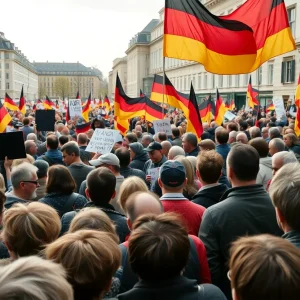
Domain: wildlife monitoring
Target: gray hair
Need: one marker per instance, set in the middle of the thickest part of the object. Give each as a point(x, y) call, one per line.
point(34, 278)
point(254, 132)
point(22, 172)
point(233, 134)
point(278, 144)
point(28, 144)
point(148, 138)
point(286, 157)
point(191, 138)
point(175, 151)
point(274, 132)
point(32, 137)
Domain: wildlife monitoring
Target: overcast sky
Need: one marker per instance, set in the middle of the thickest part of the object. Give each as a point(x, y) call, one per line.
point(93, 32)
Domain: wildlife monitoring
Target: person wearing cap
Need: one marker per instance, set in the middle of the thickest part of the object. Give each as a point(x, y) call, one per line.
point(111, 162)
point(172, 179)
point(138, 156)
point(156, 159)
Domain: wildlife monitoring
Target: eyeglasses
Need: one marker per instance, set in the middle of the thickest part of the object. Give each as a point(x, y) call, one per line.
point(31, 181)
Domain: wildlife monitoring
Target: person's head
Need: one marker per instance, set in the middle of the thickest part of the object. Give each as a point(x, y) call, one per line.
point(32, 137)
point(128, 139)
point(27, 229)
point(100, 186)
point(209, 167)
point(93, 219)
point(289, 130)
point(166, 146)
point(282, 158)
point(189, 142)
point(65, 131)
point(138, 128)
point(155, 152)
point(276, 145)
point(141, 203)
point(261, 146)
point(265, 132)
point(17, 162)
point(25, 181)
point(43, 167)
point(158, 247)
point(175, 151)
point(207, 145)
point(63, 139)
point(162, 136)
point(60, 180)
point(172, 177)
point(98, 123)
point(146, 140)
point(52, 142)
point(242, 138)
point(70, 153)
point(82, 139)
point(109, 160)
point(90, 258)
point(254, 132)
point(175, 133)
point(2, 184)
point(123, 154)
point(128, 187)
point(213, 124)
point(290, 139)
point(26, 121)
point(274, 133)
point(264, 267)
point(243, 125)
point(31, 147)
point(232, 137)
point(222, 136)
point(242, 165)
point(232, 127)
point(33, 278)
point(135, 149)
point(59, 127)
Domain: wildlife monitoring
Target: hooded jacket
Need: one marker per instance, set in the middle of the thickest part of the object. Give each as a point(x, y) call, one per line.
point(12, 199)
point(53, 157)
point(265, 171)
point(141, 156)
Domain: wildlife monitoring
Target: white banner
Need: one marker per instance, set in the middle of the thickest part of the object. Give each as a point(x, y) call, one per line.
point(229, 115)
point(162, 126)
point(75, 108)
point(279, 107)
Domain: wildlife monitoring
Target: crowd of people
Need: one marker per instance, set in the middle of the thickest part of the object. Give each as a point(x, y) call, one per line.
point(219, 221)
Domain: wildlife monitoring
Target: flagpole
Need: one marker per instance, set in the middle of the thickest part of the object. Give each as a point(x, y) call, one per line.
point(164, 82)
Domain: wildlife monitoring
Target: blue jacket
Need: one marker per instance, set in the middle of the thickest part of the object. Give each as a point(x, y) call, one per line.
point(53, 157)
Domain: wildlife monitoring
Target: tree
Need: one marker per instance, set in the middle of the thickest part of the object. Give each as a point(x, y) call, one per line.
point(42, 91)
point(61, 87)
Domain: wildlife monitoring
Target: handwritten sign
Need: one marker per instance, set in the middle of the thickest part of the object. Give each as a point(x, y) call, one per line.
point(75, 108)
point(229, 115)
point(154, 173)
point(162, 126)
point(102, 141)
point(279, 107)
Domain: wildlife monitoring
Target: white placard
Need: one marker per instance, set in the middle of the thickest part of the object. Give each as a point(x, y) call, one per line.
point(102, 141)
point(229, 115)
point(279, 107)
point(162, 126)
point(75, 108)
point(154, 173)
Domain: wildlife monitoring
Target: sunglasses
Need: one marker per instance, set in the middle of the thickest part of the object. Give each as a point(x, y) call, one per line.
point(31, 181)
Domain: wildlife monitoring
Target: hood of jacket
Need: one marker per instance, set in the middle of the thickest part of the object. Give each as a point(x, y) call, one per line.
point(266, 161)
point(140, 153)
point(214, 193)
point(12, 199)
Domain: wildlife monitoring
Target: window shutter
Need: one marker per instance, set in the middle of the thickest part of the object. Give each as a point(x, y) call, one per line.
point(293, 71)
point(283, 67)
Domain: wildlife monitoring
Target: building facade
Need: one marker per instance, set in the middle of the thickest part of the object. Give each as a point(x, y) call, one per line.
point(277, 77)
point(119, 67)
point(79, 78)
point(16, 71)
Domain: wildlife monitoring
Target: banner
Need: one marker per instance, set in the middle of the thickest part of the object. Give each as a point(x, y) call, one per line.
point(75, 108)
point(279, 107)
point(162, 126)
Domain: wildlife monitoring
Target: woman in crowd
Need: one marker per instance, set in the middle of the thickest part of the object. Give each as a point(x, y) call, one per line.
point(60, 191)
point(292, 143)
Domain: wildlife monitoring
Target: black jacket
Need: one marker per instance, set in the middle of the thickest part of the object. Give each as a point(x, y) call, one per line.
point(118, 219)
point(293, 237)
point(195, 152)
point(138, 162)
point(177, 142)
point(127, 172)
point(210, 196)
point(241, 211)
point(178, 288)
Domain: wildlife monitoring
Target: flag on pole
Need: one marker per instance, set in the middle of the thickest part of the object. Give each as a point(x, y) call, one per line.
point(252, 95)
point(220, 110)
point(87, 109)
point(121, 125)
point(229, 104)
point(78, 95)
point(270, 107)
point(297, 96)
point(297, 102)
point(141, 93)
point(9, 103)
point(207, 110)
point(22, 103)
point(107, 104)
point(5, 118)
point(48, 104)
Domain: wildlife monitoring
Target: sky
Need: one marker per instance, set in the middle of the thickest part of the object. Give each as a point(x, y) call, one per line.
point(93, 32)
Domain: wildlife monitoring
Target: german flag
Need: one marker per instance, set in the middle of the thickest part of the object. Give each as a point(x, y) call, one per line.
point(194, 123)
point(297, 102)
point(22, 103)
point(9, 103)
point(5, 118)
point(229, 104)
point(153, 111)
point(141, 93)
point(270, 107)
point(252, 95)
point(82, 128)
point(48, 104)
point(207, 110)
point(67, 112)
point(87, 109)
point(220, 110)
point(269, 22)
point(297, 95)
point(192, 33)
point(121, 125)
point(106, 104)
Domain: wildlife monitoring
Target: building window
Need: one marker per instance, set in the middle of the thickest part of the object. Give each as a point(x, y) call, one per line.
point(270, 73)
point(259, 76)
point(205, 80)
point(6, 55)
point(6, 66)
point(213, 80)
point(7, 85)
point(229, 80)
point(237, 80)
point(199, 81)
point(7, 75)
point(292, 19)
point(220, 83)
point(288, 71)
point(246, 79)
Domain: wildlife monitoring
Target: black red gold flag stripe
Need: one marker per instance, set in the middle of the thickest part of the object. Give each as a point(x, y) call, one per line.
point(5, 118)
point(229, 104)
point(106, 103)
point(82, 128)
point(207, 110)
point(252, 95)
point(22, 103)
point(121, 125)
point(297, 95)
point(270, 107)
point(78, 95)
point(87, 108)
point(9, 103)
point(220, 110)
point(48, 104)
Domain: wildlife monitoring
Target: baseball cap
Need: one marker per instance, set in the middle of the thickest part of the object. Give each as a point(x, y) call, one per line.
point(153, 146)
point(172, 173)
point(108, 159)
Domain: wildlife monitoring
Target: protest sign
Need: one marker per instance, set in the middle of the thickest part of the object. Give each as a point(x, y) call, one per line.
point(45, 120)
point(102, 141)
point(162, 126)
point(75, 108)
point(279, 107)
point(154, 173)
point(229, 116)
point(12, 145)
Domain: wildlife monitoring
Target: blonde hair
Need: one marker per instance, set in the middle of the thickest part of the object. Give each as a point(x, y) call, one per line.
point(33, 278)
point(17, 162)
point(90, 258)
point(94, 219)
point(129, 186)
point(2, 183)
point(28, 228)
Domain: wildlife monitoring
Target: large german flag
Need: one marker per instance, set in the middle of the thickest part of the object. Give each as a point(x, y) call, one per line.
point(48, 104)
point(191, 32)
point(9, 103)
point(121, 125)
point(22, 103)
point(269, 22)
point(106, 103)
point(230, 105)
point(252, 95)
point(270, 107)
point(220, 110)
point(5, 118)
point(87, 108)
point(194, 123)
point(297, 95)
point(207, 110)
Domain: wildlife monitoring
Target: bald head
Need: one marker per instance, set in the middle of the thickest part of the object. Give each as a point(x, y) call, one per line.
point(32, 137)
point(207, 145)
point(141, 203)
point(282, 158)
point(276, 145)
point(232, 137)
point(166, 146)
point(242, 138)
point(175, 151)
